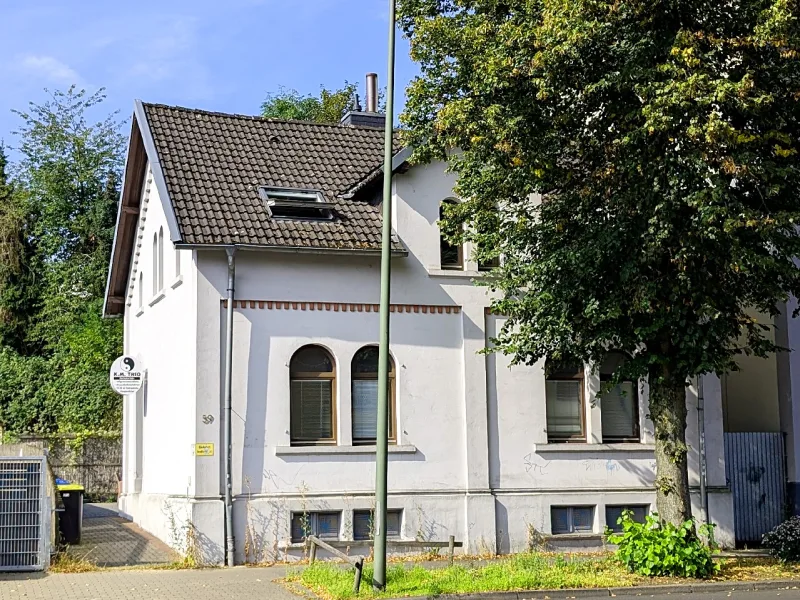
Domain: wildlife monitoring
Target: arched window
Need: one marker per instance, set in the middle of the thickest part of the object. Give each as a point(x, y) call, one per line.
point(364, 371)
point(451, 256)
point(155, 264)
point(619, 406)
point(312, 374)
point(564, 398)
point(141, 289)
point(160, 259)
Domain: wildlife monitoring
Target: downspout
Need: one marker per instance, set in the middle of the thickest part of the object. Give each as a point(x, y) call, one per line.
point(701, 428)
point(229, 542)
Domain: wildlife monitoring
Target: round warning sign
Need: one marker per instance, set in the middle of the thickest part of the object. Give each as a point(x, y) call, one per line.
point(127, 375)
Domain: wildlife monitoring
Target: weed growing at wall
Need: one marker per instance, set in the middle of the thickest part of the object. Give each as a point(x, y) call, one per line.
point(656, 549)
point(183, 538)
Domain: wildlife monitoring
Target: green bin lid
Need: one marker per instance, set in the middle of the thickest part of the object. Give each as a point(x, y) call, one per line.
point(70, 487)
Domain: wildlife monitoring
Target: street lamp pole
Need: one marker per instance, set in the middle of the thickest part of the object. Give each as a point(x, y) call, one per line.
point(382, 434)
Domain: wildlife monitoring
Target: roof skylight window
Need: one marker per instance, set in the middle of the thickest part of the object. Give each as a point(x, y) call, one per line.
point(297, 205)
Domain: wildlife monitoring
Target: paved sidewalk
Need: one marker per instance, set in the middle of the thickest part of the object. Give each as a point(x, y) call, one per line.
point(240, 583)
point(108, 540)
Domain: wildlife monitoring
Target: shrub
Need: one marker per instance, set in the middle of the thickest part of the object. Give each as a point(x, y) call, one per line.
point(783, 542)
point(658, 549)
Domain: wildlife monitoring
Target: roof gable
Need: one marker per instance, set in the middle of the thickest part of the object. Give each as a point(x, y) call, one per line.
point(208, 168)
point(214, 165)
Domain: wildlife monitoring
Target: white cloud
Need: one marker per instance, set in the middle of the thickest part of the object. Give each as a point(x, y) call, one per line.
point(49, 68)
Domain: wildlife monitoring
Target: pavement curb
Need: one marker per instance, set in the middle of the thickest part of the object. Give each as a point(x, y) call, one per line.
point(642, 590)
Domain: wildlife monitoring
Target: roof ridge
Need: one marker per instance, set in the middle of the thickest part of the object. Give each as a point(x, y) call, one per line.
point(337, 126)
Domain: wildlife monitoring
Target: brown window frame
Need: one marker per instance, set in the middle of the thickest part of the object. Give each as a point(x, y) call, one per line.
point(636, 437)
point(392, 398)
point(488, 266)
point(314, 376)
point(574, 438)
point(458, 266)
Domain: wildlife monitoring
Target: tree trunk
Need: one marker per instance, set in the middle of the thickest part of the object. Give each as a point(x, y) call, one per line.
point(668, 412)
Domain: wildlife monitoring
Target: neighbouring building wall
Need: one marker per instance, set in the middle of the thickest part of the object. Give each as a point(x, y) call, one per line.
point(787, 334)
point(160, 330)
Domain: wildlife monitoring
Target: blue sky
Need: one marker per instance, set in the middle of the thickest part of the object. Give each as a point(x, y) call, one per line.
point(214, 54)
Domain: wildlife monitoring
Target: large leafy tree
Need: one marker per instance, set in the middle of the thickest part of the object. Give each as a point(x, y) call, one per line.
point(329, 107)
point(636, 166)
point(54, 347)
point(17, 302)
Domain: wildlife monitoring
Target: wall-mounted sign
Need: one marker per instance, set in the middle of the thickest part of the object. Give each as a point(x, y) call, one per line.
point(127, 375)
point(204, 449)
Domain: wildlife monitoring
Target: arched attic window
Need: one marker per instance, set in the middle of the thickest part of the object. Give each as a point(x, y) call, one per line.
point(160, 259)
point(451, 256)
point(312, 375)
point(155, 264)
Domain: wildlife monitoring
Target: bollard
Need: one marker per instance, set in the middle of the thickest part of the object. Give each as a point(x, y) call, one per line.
point(312, 553)
point(451, 549)
point(357, 582)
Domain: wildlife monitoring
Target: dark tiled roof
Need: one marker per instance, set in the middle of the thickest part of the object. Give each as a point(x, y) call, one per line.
point(214, 163)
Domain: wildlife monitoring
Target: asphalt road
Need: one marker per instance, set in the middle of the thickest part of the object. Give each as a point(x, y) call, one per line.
point(780, 594)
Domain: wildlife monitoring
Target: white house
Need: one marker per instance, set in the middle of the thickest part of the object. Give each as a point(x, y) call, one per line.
point(498, 456)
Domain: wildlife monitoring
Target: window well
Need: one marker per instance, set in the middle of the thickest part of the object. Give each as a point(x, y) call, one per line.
point(297, 205)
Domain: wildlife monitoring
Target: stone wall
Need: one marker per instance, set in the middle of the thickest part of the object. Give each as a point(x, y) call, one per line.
point(95, 462)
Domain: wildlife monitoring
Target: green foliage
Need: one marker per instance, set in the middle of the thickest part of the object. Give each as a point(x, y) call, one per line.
point(329, 107)
point(17, 298)
point(56, 230)
point(636, 167)
point(658, 549)
point(783, 542)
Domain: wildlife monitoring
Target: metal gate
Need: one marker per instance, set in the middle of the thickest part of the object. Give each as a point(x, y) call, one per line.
point(24, 514)
point(756, 473)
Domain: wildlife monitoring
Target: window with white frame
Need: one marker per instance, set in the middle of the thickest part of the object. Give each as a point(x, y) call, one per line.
point(160, 259)
point(141, 289)
point(571, 519)
point(619, 405)
point(564, 401)
point(155, 264)
point(177, 263)
point(364, 375)
point(297, 204)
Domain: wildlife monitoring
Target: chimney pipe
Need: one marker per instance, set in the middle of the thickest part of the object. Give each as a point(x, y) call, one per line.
point(372, 92)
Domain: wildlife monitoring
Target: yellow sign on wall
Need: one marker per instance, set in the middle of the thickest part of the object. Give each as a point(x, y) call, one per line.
point(204, 449)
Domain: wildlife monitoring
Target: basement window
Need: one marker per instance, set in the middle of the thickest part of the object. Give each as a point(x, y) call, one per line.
point(363, 524)
point(614, 513)
point(296, 205)
point(324, 525)
point(571, 519)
